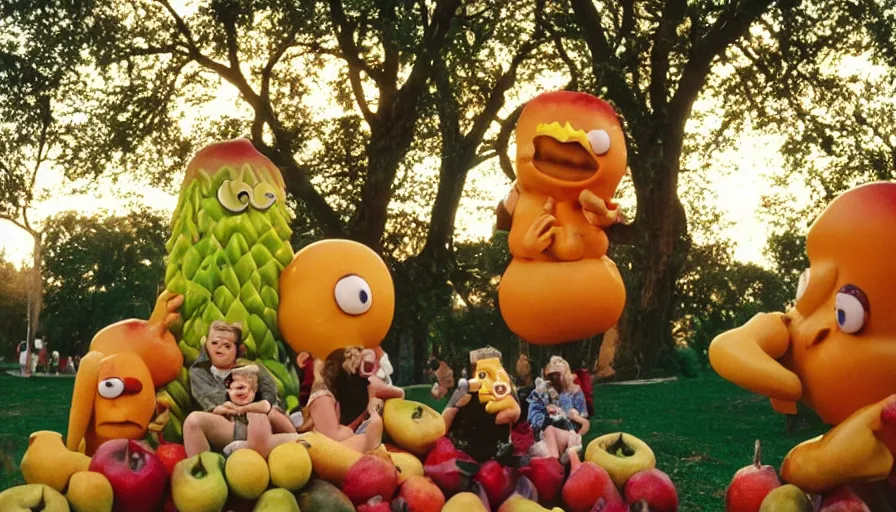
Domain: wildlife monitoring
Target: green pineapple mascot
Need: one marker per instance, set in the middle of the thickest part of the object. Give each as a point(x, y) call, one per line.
point(229, 242)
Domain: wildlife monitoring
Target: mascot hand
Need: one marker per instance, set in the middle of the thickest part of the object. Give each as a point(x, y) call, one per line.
point(850, 453)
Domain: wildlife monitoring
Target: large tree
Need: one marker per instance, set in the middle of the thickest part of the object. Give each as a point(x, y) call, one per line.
point(755, 60)
point(99, 270)
point(40, 50)
point(350, 99)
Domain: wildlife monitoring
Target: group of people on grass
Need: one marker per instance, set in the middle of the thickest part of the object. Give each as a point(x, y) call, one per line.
point(241, 409)
point(342, 397)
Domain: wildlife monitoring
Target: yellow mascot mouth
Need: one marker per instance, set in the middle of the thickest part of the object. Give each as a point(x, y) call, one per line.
point(563, 152)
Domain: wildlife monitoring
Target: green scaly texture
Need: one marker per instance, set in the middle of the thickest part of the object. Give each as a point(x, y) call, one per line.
point(227, 266)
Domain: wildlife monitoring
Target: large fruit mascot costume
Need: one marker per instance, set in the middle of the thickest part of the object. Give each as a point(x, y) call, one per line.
point(835, 350)
point(571, 156)
point(228, 246)
point(335, 294)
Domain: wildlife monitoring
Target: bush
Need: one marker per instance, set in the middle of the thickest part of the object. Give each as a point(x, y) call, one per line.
point(688, 362)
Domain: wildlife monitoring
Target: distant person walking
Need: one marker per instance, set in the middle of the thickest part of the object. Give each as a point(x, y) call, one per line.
point(23, 358)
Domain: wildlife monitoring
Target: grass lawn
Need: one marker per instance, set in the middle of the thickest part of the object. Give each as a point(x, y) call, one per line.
point(702, 430)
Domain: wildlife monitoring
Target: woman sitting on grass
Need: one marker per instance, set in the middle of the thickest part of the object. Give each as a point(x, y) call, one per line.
point(557, 412)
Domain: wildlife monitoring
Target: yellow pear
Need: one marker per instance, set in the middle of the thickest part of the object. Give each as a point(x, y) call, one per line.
point(290, 466)
point(247, 473)
point(408, 465)
point(464, 502)
point(89, 491)
point(25, 498)
point(413, 426)
point(276, 500)
point(48, 461)
point(330, 459)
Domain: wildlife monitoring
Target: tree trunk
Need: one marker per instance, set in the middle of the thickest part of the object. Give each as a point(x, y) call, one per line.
point(646, 326)
point(35, 297)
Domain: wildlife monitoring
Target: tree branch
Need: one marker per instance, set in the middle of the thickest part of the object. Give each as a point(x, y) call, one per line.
point(557, 39)
point(503, 141)
point(604, 64)
point(663, 40)
point(390, 48)
point(18, 224)
point(730, 26)
point(345, 37)
point(628, 19)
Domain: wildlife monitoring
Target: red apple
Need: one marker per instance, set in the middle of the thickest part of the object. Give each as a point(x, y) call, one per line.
point(750, 485)
point(421, 494)
point(547, 475)
point(170, 454)
point(368, 477)
point(496, 480)
point(843, 499)
point(452, 475)
point(375, 504)
point(605, 505)
point(587, 484)
point(137, 476)
point(652, 490)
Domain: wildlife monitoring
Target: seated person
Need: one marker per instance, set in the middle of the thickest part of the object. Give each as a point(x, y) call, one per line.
point(204, 429)
point(524, 383)
point(557, 411)
point(481, 413)
point(347, 397)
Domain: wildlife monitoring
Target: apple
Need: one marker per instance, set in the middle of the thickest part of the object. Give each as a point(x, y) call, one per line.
point(547, 475)
point(412, 425)
point(496, 480)
point(370, 476)
point(375, 504)
point(843, 499)
point(651, 490)
point(421, 494)
point(587, 484)
point(751, 484)
point(621, 454)
point(137, 476)
point(198, 484)
point(170, 454)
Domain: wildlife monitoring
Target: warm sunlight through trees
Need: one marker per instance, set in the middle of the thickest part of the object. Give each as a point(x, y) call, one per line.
point(380, 114)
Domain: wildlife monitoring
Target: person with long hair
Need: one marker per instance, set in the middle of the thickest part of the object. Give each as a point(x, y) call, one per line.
point(557, 411)
point(347, 398)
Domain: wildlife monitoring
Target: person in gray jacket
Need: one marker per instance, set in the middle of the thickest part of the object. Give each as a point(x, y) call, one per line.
point(211, 427)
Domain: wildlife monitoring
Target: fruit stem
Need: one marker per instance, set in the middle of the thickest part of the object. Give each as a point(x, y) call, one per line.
point(757, 454)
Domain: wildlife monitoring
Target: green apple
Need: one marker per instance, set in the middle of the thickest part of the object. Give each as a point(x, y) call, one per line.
point(276, 500)
point(198, 484)
point(30, 497)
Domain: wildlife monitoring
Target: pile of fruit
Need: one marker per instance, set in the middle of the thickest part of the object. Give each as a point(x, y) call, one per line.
point(419, 470)
point(757, 488)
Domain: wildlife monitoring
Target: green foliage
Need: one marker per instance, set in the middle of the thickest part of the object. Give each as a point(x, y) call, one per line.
point(99, 270)
point(716, 293)
point(13, 307)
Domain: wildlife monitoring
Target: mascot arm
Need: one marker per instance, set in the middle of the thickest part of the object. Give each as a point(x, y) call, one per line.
point(747, 356)
point(83, 398)
point(849, 453)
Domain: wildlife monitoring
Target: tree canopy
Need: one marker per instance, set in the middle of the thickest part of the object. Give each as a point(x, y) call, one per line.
point(99, 270)
point(378, 112)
